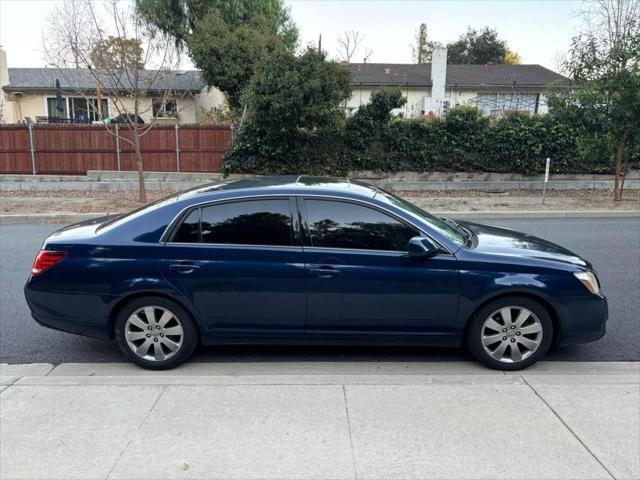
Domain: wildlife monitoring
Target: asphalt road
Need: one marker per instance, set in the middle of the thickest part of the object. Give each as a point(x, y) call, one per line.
point(611, 244)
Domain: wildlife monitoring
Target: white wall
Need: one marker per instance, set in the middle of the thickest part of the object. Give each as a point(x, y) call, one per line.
point(35, 105)
point(209, 98)
point(457, 97)
point(6, 107)
point(28, 105)
point(414, 95)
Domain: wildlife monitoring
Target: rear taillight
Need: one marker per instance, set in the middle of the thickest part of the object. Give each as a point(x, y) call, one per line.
point(46, 259)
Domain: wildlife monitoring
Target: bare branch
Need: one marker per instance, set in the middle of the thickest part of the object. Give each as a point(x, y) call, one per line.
point(367, 53)
point(348, 44)
point(113, 49)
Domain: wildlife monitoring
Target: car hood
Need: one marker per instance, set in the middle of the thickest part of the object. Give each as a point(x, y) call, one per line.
point(502, 241)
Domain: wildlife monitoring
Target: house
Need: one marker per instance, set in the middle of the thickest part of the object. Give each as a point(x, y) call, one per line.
point(431, 88)
point(30, 93)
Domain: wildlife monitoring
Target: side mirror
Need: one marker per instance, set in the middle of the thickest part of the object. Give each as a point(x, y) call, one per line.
point(422, 247)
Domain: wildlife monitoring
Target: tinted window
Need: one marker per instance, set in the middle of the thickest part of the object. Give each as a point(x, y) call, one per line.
point(189, 230)
point(345, 225)
point(259, 222)
point(436, 223)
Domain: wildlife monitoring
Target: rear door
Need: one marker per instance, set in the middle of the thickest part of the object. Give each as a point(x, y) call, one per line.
point(361, 280)
point(241, 265)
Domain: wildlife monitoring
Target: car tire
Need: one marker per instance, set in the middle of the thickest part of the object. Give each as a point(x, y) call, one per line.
point(510, 333)
point(155, 333)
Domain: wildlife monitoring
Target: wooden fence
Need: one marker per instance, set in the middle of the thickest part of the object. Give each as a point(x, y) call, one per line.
point(74, 149)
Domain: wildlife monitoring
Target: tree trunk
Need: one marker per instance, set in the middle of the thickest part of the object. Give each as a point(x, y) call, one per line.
point(617, 188)
point(620, 153)
point(142, 193)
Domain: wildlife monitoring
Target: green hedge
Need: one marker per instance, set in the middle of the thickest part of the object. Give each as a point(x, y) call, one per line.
point(462, 141)
point(465, 141)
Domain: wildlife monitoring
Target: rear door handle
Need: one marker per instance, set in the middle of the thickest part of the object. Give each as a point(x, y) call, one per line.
point(325, 271)
point(183, 267)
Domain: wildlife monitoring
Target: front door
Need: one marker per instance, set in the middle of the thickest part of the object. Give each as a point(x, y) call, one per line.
point(361, 280)
point(238, 264)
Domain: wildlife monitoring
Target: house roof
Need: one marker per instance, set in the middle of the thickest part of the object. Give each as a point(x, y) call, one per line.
point(457, 75)
point(374, 74)
point(72, 79)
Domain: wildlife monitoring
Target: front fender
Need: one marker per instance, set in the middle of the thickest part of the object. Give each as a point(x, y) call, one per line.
point(480, 287)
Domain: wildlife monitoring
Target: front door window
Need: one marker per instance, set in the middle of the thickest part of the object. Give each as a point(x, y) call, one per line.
point(346, 225)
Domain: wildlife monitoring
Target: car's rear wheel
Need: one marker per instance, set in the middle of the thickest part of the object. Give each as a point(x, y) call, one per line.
point(510, 333)
point(155, 333)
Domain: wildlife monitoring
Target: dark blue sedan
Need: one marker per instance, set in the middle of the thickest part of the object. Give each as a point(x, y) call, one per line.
point(310, 260)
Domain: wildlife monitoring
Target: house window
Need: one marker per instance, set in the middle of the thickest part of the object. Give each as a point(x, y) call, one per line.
point(488, 103)
point(496, 104)
point(165, 107)
point(77, 109)
point(53, 112)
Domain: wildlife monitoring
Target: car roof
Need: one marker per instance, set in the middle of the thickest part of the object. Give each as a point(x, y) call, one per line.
point(284, 183)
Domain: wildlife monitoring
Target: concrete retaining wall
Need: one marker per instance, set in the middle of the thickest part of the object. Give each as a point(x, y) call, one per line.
point(405, 181)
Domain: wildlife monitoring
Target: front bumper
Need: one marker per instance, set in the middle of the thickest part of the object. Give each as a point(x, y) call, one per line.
point(581, 319)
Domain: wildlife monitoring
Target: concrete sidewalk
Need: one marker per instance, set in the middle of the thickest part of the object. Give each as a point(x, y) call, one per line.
point(320, 420)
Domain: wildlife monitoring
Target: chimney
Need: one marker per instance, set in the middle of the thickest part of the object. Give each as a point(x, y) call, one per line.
point(433, 105)
point(5, 108)
point(438, 76)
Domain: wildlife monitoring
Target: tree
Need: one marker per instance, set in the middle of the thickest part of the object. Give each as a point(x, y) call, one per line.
point(421, 51)
point(604, 102)
point(479, 47)
point(348, 44)
point(294, 120)
point(117, 53)
point(179, 18)
point(228, 57)
point(511, 58)
point(364, 131)
point(115, 63)
point(227, 40)
point(367, 54)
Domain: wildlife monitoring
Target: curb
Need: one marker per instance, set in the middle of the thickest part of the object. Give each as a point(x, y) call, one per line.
point(522, 214)
point(44, 218)
point(65, 218)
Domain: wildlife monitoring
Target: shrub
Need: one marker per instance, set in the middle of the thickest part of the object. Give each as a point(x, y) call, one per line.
point(463, 141)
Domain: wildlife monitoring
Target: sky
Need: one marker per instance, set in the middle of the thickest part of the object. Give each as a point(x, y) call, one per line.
point(539, 30)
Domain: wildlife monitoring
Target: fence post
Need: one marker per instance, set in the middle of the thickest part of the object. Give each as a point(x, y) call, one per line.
point(118, 145)
point(33, 150)
point(177, 148)
point(546, 180)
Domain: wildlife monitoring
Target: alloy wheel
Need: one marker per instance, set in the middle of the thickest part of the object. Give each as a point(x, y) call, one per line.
point(511, 334)
point(154, 333)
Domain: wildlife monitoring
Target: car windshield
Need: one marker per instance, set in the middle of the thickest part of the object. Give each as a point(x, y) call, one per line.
point(449, 229)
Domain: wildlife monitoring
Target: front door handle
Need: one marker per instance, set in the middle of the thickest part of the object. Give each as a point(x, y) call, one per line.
point(183, 267)
point(325, 271)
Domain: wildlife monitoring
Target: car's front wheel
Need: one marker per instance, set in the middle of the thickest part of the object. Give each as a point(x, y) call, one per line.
point(155, 333)
point(510, 333)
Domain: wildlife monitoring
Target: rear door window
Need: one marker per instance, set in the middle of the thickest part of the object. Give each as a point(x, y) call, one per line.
point(251, 222)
